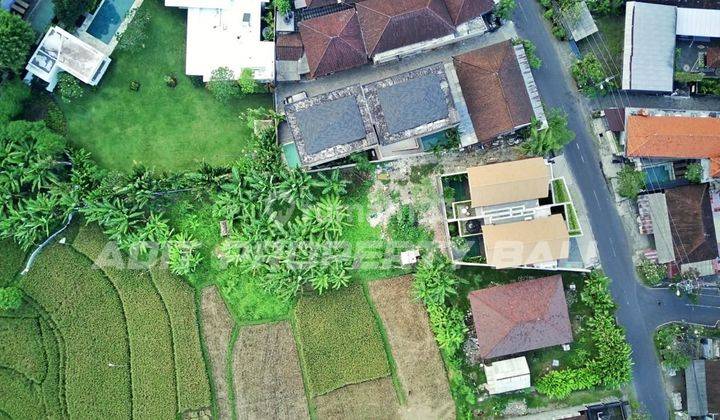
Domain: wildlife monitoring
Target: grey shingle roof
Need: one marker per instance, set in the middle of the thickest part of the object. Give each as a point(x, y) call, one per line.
point(413, 103)
point(330, 124)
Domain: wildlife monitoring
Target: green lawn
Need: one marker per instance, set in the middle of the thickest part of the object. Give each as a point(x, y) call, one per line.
point(157, 126)
point(612, 29)
point(339, 340)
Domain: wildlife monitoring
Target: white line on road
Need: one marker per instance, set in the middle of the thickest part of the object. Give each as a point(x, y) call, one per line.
point(596, 197)
point(704, 306)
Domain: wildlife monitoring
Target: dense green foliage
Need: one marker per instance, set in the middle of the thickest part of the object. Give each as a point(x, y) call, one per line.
point(10, 297)
point(709, 86)
point(16, 37)
point(21, 347)
point(33, 196)
point(183, 257)
point(504, 9)
point(222, 84)
point(651, 273)
point(694, 173)
point(671, 346)
point(530, 51)
point(13, 95)
point(435, 281)
point(448, 325)
point(606, 7)
point(551, 139)
point(609, 363)
point(404, 226)
point(339, 341)
point(69, 87)
point(630, 182)
point(590, 75)
point(20, 398)
point(283, 6)
point(68, 11)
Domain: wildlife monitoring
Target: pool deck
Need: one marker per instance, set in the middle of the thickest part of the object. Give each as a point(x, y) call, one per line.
point(101, 46)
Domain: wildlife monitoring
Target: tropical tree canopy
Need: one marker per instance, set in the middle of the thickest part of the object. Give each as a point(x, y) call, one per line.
point(16, 38)
point(552, 139)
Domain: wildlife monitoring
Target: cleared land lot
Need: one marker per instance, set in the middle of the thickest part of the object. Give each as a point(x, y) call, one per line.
point(419, 366)
point(368, 400)
point(339, 340)
point(217, 325)
point(267, 377)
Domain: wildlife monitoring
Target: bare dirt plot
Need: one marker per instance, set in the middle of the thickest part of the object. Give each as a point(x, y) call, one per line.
point(367, 400)
point(419, 366)
point(217, 329)
point(267, 377)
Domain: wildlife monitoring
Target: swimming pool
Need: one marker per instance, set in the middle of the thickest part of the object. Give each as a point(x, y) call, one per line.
point(108, 18)
point(291, 155)
point(657, 175)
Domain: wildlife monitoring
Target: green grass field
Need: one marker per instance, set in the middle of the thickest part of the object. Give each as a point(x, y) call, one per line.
point(339, 340)
point(157, 126)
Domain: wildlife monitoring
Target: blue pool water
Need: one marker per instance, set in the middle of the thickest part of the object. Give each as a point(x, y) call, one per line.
point(428, 142)
point(108, 19)
point(291, 155)
point(657, 175)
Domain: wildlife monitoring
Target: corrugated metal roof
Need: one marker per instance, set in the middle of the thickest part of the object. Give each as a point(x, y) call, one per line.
point(698, 22)
point(579, 21)
point(661, 227)
point(507, 375)
point(649, 53)
point(696, 389)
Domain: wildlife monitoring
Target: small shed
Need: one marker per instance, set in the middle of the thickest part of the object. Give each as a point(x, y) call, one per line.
point(579, 21)
point(507, 375)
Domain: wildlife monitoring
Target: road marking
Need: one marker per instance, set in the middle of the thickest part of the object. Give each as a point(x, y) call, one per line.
point(704, 306)
point(596, 197)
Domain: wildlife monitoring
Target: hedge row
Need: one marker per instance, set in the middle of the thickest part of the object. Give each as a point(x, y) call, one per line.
point(339, 340)
point(86, 309)
point(21, 348)
point(20, 398)
point(193, 388)
point(151, 347)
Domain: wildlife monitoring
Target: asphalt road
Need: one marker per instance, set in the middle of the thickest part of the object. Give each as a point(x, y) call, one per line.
point(638, 308)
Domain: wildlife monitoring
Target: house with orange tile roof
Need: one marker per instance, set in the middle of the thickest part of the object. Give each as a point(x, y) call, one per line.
point(663, 143)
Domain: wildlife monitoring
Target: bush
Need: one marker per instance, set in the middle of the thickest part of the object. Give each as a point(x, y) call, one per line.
point(222, 84)
point(10, 298)
point(247, 82)
point(404, 226)
point(504, 9)
point(448, 325)
point(55, 119)
point(561, 383)
point(283, 6)
point(69, 87)
point(183, 257)
point(13, 95)
point(694, 173)
point(671, 346)
point(651, 273)
point(434, 280)
point(589, 75)
point(68, 11)
point(16, 38)
point(630, 182)
point(530, 51)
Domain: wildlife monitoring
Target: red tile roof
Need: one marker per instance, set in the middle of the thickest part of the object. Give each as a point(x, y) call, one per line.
point(713, 57)
point(333, 43)
point(674, 137)
point(519, 317)
point(692, 226)
point(387, 25)
point(462, 11)
point(319, 3)
point(494, 90)
point(289, 47)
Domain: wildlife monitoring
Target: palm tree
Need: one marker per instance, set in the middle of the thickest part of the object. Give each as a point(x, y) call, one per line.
point(331, 184)
point(551, 139)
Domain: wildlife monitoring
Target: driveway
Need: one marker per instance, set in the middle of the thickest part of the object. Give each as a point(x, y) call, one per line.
point(638, 310)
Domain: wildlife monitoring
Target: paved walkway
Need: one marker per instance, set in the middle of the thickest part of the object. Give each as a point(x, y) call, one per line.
point(638, 310)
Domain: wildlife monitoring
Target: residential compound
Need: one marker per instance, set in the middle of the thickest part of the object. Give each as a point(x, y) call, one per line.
point(512, 214)
point(664, 38)
point(389, 111)
point(681, 217)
